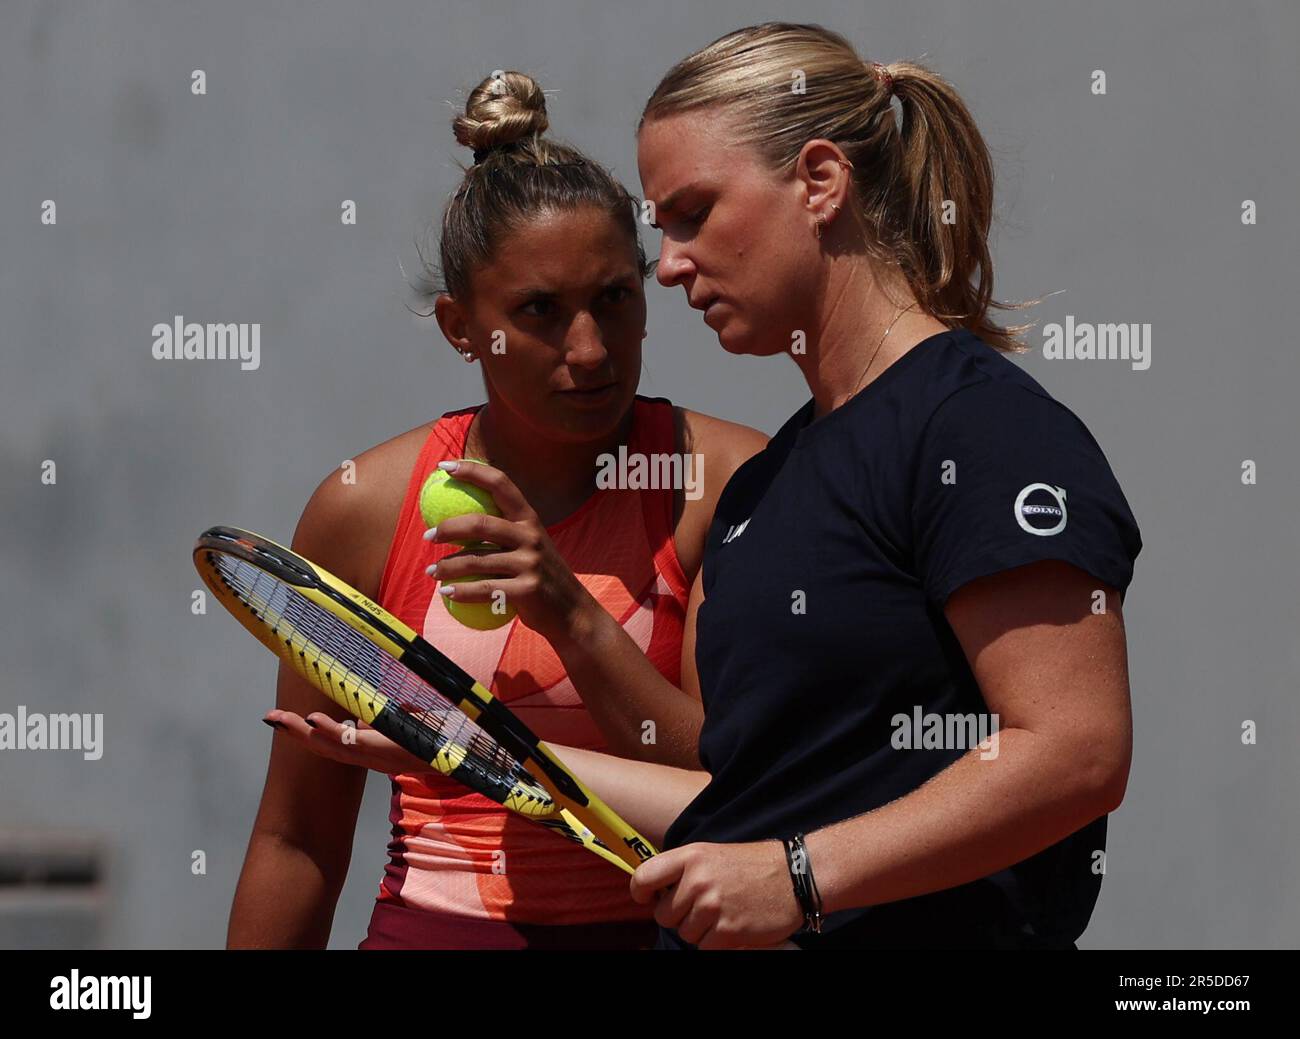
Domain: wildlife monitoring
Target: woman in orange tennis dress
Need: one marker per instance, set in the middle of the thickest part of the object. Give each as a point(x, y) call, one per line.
point(543, 286)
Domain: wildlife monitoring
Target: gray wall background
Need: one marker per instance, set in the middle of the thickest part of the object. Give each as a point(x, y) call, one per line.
point(225, 208)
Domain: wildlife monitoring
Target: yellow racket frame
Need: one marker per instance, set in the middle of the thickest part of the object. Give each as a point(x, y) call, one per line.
point(557, 799)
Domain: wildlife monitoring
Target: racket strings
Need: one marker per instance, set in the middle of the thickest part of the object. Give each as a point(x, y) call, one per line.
point(328, 644)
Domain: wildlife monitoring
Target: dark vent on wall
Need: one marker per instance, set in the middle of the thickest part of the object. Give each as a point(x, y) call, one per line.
point(51, 890)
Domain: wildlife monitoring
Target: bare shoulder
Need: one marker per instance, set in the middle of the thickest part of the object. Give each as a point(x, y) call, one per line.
point(349, 521)
point(726, 445)
point(722, 447)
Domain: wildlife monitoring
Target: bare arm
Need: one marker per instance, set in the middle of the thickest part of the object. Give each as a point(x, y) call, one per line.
point(1057, 677)
point(601, 658)
point(640, 713)
point(647, 795)
point(301, 844)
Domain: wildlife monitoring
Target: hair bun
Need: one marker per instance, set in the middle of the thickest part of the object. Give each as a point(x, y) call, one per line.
point(504, 108)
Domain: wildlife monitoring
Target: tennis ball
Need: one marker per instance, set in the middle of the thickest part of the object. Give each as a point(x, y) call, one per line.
point(477, 615)
point(443, 496)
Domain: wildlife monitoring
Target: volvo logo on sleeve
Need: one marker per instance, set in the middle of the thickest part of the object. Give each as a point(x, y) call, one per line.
point(1040, 509)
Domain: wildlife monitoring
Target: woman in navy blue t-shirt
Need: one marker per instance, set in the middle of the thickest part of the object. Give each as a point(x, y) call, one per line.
point(911, 647)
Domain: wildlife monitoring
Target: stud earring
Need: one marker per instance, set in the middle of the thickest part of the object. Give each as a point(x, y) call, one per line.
point(821, 221)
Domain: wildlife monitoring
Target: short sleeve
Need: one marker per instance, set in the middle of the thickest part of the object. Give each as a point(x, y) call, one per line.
point(1006, 476)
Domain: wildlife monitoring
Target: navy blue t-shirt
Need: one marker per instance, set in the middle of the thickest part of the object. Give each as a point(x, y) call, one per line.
point(826, 569)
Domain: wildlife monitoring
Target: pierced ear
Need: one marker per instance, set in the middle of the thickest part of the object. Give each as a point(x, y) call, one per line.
point(451, 322)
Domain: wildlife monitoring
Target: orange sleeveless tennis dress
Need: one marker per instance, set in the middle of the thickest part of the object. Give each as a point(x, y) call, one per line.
point(463, 872)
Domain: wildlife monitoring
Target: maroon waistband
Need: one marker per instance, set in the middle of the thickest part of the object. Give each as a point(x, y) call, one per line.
point(400, 927)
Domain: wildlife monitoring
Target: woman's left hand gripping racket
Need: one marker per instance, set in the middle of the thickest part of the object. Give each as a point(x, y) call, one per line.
point(378, 669)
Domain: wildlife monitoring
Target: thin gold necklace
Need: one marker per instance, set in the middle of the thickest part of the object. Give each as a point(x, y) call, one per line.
point(877, 349)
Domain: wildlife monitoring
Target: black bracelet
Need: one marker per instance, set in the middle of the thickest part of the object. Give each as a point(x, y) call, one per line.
point(805, 886)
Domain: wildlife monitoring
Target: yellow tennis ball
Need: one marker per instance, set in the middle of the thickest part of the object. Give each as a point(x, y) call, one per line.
point(443, 496)
point(477, 615)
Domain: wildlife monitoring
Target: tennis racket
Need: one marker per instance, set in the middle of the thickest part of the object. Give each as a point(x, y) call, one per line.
point(382, 672)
